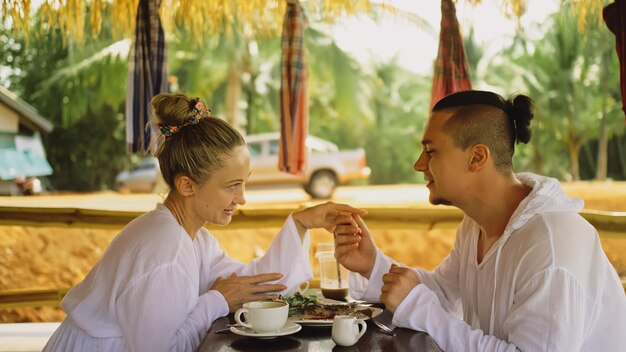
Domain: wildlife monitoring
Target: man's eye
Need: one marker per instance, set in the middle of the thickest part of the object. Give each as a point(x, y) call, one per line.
point(429, 152)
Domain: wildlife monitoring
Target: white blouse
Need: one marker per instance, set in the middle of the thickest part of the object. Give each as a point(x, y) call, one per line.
point(150, 289)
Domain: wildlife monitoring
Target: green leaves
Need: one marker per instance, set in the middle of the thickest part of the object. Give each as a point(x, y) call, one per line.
point(563, 72)
point(298, 302)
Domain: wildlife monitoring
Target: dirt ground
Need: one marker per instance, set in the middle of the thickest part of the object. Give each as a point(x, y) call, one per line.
point(43, 258)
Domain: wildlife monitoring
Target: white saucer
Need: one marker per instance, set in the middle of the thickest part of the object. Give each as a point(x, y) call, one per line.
point(288, 329)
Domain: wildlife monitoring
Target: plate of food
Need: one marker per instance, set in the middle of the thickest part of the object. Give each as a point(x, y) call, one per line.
point(308, 310)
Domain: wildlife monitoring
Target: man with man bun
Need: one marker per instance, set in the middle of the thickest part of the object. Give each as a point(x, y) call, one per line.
point(526, 272)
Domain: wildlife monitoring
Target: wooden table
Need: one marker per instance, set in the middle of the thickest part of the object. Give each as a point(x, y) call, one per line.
point(318, 339)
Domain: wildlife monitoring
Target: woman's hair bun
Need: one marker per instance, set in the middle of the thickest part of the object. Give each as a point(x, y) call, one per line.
point(172, 109)
point(193, 102)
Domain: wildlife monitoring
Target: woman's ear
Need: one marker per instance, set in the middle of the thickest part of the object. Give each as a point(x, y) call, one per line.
point(479, 156)
point(184, 185)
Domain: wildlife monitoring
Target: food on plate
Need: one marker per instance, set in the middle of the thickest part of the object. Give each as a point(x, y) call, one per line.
point(298, 302)
point(309, 308)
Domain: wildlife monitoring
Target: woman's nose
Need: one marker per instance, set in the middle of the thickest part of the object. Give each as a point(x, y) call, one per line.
point(241, 198)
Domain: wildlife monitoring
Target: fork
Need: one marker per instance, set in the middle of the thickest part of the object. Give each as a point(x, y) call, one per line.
point(368, 313)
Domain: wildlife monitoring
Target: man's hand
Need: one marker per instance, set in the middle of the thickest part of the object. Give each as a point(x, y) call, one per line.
point(397, 284)
point(355, 249)
point(238, 290)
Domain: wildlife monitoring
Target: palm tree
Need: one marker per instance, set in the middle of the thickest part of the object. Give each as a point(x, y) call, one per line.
point(609, 101)
point(244, 72)
point(559, 71)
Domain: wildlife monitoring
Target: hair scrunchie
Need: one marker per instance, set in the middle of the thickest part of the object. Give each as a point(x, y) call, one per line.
point(200, 111)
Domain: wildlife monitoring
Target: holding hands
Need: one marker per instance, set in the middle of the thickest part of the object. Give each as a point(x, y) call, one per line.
point(397, 284)
point(354, 246)
point(327, 216)
point(355, 249)
point(238, 290)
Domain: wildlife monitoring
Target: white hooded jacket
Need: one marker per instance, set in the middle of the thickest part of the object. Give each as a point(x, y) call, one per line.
point(546, 285)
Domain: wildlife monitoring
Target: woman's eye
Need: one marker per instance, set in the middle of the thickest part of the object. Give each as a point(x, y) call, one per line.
point(429, 152)
point(235, 186)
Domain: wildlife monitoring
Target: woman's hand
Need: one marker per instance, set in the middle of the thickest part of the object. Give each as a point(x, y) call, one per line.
point(327, 216)
point(238, 290)
point(355, 250)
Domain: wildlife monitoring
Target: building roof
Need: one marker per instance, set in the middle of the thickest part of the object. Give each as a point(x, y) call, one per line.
point(28, 114)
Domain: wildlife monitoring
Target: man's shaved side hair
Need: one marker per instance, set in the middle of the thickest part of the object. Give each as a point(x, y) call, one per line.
point(481, 117)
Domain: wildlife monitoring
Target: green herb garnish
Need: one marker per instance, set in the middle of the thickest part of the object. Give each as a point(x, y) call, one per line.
point(298, 302)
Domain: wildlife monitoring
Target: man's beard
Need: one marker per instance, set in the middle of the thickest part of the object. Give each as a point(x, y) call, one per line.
point(441, 201)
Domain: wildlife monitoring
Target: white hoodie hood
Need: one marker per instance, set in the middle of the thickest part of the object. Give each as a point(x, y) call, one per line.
point(546, 197)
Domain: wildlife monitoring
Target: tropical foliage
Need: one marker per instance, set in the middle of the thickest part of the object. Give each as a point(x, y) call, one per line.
point(82, 92)
point(572, 76)
point(380, 106)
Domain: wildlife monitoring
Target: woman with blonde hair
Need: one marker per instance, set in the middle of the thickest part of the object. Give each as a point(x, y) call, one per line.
point(164, 279)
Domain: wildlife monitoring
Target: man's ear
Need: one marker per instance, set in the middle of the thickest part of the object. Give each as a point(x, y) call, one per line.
point(184, 185)
point(479, 156)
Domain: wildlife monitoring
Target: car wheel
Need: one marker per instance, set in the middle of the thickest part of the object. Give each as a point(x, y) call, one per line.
point(322, 184)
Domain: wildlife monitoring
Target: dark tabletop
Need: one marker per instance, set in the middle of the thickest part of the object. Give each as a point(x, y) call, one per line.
point(318, 339)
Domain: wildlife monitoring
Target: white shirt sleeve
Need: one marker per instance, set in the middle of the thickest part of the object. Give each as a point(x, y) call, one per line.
point(444, 281)
point(548, 315)
point(369, 289)
point(155, 315)
point(287, 255)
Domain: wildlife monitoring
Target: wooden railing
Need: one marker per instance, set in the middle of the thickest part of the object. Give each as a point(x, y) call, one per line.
point(388, 217)
point(608, 223)
point(31, 298)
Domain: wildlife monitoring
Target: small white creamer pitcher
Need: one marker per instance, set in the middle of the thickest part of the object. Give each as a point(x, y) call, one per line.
point(346, 330)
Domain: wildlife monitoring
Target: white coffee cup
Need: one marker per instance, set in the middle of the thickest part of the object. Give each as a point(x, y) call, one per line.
point(346, 330)
point(263, 316)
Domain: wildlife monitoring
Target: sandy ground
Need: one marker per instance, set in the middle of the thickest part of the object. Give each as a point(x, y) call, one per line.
point(39, 258)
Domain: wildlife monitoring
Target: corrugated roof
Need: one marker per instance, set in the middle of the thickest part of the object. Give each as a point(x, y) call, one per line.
point(25, 110)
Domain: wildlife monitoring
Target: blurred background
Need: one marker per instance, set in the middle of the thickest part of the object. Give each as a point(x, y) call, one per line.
point(370, 80)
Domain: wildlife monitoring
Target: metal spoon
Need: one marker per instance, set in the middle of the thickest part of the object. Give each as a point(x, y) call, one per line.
point(227, 328)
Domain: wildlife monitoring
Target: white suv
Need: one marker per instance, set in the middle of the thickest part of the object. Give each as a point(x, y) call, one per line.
point(327, 167)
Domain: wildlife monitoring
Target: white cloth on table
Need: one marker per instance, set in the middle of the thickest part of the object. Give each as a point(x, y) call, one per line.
point(546, 285)
point(150, 289)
